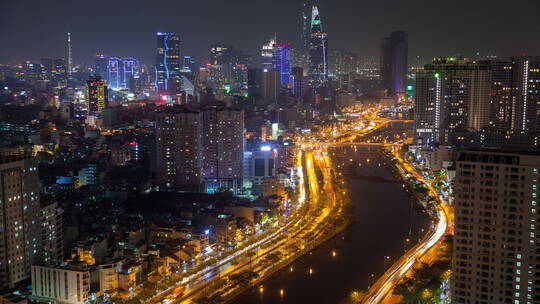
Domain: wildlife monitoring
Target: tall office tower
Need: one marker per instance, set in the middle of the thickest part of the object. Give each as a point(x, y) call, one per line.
point(393, 64)
point(52, 233)
point(228, 67)
point(298, 81)
point(59, 73)
point(179, 147)
point(526, 94)
point(20, 236)
point(452, 95)
point(96, 95)
point(342, 62)
point(32, 72)
point(496, 245)
point(318, 51)
point(282, 62)
point(220, 53)
point(223, 145)
point(121, 71)
point(189, 66)
point(267, 54)
point(101, 66)
point(303, 53)
point(239, 77)
point(46, 68)
point(270, 85)
point(255, 83)
point(168, 81)
point(501, 100)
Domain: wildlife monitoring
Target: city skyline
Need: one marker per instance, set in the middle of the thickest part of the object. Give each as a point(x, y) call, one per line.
point(287, 151)
point(132, 32)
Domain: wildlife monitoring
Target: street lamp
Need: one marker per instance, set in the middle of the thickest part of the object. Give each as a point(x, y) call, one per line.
point(385, 259)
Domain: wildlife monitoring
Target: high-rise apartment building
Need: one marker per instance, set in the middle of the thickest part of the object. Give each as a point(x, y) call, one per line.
point(223, 144)
point(179, 136)
point(393, 63)
point(452, 95)
point(96, 95)
point(496, 242)
point(168, 80)
point(52, 233)
point(318, 51)
point(342, 62)
point(526, 94)
point(283, 62)
point(20, 233)
point(501, 101)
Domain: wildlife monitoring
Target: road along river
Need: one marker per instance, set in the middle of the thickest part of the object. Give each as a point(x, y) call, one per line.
point(384, 217)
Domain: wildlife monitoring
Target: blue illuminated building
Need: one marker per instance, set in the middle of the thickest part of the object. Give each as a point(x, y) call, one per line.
point(282, 62)
point(121, 71)
point(168, 80)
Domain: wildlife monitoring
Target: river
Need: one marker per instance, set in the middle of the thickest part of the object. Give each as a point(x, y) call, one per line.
point(385, 216)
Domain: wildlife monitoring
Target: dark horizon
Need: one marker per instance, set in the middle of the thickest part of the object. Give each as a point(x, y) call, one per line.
point(30, 30)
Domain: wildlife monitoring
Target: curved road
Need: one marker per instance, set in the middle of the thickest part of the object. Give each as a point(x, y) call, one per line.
point(383, 287)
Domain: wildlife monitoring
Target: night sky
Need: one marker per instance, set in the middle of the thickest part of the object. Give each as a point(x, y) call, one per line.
point(30, 29)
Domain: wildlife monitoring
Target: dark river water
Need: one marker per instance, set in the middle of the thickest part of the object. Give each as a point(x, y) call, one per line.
point(384, 217)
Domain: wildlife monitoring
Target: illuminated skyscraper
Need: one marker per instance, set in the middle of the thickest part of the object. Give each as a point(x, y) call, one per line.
point(168, 81)
point(318, 51)
point(221, 53)
point(121, 70)
point(394, 52)
point(452, 95)
point(96, 95)
point(59, 73)
point(526, 93)
point(46, 68)
point(228, 69)
point(303, 53)
point(100, 66)
point(282, 62)
point(267, 54)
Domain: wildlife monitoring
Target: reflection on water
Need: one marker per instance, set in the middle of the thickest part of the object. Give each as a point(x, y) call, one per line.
point(384, 217)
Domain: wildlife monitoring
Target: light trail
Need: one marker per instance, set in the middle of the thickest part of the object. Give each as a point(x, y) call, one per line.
point(386, 283)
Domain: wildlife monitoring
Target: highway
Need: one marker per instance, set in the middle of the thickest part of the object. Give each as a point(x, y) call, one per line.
point(386, 283)
point(303, 224)
point(309, 220)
